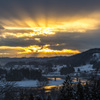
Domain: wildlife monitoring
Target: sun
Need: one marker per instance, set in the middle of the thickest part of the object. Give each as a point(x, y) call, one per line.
point(43, 31)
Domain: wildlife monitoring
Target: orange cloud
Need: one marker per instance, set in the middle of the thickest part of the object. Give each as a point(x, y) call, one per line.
point(42, 51)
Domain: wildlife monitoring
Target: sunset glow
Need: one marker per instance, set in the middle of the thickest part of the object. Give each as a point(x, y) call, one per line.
point(29, 27)
point(41, 50)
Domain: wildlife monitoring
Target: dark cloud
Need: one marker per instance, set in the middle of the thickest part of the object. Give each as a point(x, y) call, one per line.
point(1, 27)
point(80, 41)
point(16, 8)
point(18, 42)
point(18, 31)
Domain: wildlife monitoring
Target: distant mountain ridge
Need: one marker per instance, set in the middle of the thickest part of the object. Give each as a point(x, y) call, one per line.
point(83, 58)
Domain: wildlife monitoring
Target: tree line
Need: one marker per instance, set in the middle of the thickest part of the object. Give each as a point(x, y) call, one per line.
point(20, 74)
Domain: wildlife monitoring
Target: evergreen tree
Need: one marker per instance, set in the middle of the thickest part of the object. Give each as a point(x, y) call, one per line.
point(49, 97)
point(31, 97)
point(66, 93)
point(80, 91)
point(86, 91)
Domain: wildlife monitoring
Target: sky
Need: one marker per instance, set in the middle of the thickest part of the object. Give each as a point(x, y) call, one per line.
point(46, 28)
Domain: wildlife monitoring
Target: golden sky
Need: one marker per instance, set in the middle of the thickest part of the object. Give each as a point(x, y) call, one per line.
point(46, 28)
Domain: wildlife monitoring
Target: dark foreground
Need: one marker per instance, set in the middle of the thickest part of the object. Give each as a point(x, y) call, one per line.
point(68, 91)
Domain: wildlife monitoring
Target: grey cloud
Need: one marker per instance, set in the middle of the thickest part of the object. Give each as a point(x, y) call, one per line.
point(79, 41)
point(15, 8)
point(18, 31)
point(1, 27)
point(12, 41)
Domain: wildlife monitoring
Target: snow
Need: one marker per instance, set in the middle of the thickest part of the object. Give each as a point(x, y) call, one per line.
point(27, 83)
point(58, 67)
point(87, 68)
point(96, 56)
point(57, 82)
point(33, 83)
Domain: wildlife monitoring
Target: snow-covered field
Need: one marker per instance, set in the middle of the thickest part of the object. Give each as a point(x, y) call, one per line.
point(86, 68)
point(58, 67)
point(27, 83)
point(33, 83)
